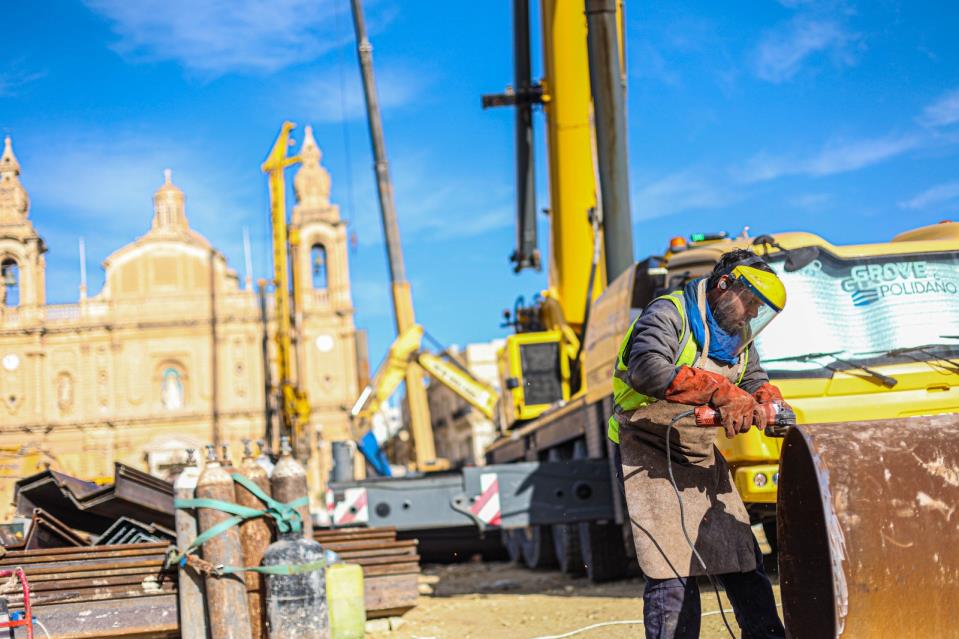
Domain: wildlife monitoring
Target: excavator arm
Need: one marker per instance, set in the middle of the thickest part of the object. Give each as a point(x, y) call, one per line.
point(390, 374)
point(405, 351)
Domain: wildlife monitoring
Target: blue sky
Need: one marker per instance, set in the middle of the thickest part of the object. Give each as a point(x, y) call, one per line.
point(838, 118)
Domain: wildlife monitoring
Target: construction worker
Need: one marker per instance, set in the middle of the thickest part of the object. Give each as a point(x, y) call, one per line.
point(690, 348)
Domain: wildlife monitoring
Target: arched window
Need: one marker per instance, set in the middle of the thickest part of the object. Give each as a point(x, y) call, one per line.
point(171, 389)
point(318, 266)
point(10, 274)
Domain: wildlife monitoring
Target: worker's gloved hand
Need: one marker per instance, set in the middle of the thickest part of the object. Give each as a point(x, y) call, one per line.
point(738, 410)
point(767, 394)
point(694, 386)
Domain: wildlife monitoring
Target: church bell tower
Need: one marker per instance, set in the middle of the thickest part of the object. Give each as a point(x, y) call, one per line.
point(22, 264)
point(327, 349)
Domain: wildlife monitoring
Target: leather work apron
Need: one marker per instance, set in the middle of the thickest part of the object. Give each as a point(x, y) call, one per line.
point(716, 517)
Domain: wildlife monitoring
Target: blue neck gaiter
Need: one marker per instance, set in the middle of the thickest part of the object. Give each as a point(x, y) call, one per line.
point(722, 345)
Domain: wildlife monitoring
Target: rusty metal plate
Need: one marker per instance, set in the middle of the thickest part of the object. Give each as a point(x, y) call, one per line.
point(869, 529)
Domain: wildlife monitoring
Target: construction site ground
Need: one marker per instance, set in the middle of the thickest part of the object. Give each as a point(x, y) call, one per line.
point(497, 599)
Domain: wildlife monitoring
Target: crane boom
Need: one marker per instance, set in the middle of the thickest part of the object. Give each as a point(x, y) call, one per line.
point(420, 427)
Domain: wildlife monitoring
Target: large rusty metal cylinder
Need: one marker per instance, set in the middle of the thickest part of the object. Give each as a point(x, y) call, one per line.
point(227, 606)
point(191, 593)
point(288, 482)
point(868, 526)
point(254, 538)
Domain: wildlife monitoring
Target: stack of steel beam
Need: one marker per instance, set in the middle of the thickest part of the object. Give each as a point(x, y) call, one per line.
point(391, 567)
point(100, 591)
point(93, 509)
point(123, 591)
point(46, 531)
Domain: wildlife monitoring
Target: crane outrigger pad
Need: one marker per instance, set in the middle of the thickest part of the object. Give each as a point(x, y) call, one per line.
point(868, 528)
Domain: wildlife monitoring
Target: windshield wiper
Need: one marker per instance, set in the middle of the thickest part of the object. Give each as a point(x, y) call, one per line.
point(925, 349)
point(803, 357)
point(885, 380)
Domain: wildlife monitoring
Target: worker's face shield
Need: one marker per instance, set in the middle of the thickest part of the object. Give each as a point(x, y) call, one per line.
point(749, 302)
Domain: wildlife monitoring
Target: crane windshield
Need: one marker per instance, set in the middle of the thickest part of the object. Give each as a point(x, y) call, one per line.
point(861, 309)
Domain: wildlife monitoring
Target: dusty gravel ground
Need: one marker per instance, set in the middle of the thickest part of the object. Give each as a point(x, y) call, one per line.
point(485, 600)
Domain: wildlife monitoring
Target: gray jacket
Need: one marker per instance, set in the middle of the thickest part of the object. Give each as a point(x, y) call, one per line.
point(655, 349)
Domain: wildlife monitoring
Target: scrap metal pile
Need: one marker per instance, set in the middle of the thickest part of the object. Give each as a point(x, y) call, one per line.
point(99, 591)
point(98, 558)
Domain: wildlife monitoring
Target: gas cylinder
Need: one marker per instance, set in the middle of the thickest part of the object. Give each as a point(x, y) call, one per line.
point(296, 604)
point(225, 459)
point(288, 481)
point(226, 595)
point(254, 537)
point(190, 591)
point(265, 458)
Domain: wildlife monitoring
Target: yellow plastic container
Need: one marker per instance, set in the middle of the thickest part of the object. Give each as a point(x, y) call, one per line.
point(346, 600)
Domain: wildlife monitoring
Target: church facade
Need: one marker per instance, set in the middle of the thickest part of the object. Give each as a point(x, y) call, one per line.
point(169, 354)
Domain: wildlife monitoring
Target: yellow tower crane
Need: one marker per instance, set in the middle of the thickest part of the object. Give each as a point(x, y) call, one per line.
point(294, 406)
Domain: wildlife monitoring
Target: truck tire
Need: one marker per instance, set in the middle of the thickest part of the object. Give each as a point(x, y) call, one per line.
point(603, 552)
point(513, 540)
point(566, 548)
point(538, 549)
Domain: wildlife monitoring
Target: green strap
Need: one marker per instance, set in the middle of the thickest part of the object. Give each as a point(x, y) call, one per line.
point(280, 569)
point(287, 512)
point(287, 517)
point(209, 534)
point(245, 512)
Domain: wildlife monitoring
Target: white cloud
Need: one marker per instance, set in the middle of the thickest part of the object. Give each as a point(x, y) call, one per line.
point(213, 37)
point(333, 96)
point(842, 157)
point(812, 201)
point(783, 51)
point(652, 65)
point(684, 190)
point(434, 202)
point(942, 112)
point(834, 158)
point(940, 194)
point(111, 178)
point(100, 185)
point(15, 77)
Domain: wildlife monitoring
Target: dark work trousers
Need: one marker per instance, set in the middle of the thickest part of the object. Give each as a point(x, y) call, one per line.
point(671, 607)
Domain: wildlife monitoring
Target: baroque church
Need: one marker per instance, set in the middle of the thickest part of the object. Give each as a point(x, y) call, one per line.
point(169, 355)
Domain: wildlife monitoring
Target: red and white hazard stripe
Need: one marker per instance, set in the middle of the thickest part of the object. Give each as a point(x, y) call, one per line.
point(487, 507)
point(330, 504)
point(354, 509)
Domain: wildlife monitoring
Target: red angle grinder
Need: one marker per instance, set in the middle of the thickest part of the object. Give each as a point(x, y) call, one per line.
point(779, 418)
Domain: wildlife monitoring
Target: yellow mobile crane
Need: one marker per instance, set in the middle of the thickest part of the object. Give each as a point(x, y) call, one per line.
point(294, 406)
point(540, 364)
point(888, 351)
